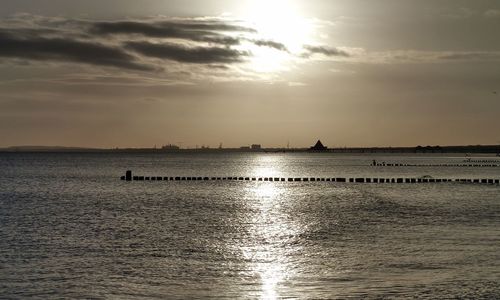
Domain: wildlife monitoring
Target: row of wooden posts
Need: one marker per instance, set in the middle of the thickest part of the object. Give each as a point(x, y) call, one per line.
point(496, 161)
point(435, 165)
point(128, 177)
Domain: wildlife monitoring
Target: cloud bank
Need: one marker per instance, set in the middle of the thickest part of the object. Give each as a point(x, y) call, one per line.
point(198, 31)
point(180, 53)
point(196, 47)
point(68, 50)
point(327, 51)
point(139, 44)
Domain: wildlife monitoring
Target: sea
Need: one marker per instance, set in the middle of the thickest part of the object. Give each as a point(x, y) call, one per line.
point(71, 229)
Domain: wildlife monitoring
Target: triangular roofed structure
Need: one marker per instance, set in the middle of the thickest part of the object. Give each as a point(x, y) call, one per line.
point(319, 146)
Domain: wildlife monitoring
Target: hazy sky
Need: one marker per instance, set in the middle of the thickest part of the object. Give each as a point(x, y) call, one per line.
point(128, 73)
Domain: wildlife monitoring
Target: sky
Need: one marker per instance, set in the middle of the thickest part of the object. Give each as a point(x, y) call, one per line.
point(127, 73)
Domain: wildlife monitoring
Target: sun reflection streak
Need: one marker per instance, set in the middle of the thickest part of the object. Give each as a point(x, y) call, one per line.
point(267, 166)
point(268, 250)
point(266, 191)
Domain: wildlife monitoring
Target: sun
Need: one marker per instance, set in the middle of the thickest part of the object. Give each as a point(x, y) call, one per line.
point(279, 21)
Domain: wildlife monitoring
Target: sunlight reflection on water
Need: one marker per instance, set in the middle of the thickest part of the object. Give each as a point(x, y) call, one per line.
point(267, 166)
point(72, 229)
point(271, 231)
point(267, 253)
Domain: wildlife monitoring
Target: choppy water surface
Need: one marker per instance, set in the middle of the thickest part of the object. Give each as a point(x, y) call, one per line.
point(70, 228)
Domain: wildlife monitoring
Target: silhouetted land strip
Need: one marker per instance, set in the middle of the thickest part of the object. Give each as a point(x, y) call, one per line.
point(478, 149)
point(426, 179)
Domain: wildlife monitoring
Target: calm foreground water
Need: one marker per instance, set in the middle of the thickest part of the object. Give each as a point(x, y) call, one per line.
point(71, 229)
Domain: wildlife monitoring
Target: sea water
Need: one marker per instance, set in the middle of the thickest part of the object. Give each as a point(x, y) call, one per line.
point(71, 229)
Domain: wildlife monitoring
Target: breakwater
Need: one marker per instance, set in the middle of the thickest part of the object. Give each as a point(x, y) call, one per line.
point(130, 177)
point(461, 165)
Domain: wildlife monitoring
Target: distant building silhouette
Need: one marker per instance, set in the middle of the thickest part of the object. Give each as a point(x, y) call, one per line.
point(170, 147)
point(318, 147)
point(256, 147)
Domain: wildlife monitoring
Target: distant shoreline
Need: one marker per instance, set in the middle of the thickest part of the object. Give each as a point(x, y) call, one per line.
point(472, 149)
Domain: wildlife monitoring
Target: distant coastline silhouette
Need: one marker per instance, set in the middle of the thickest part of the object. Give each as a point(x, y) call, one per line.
point(318, 147)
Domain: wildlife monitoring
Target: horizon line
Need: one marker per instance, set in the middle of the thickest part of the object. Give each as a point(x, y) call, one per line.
point(172, 147)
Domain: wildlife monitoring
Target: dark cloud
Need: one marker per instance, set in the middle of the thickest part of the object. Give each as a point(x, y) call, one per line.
point(492, 13)
point(28, 32)
point(468, 56)
point(115, 43)
point(179, 53)
point(195, 31)
point(328, 51)
point(223, 40)
point(67, 50)
point(211, 25)
point(271, 44)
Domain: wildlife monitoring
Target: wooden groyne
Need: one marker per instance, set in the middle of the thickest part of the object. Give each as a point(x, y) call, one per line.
point(483, 161)
point(129, 177)
point(462, 165)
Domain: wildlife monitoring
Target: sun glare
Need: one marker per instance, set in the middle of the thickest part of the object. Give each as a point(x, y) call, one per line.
point(281, 22)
